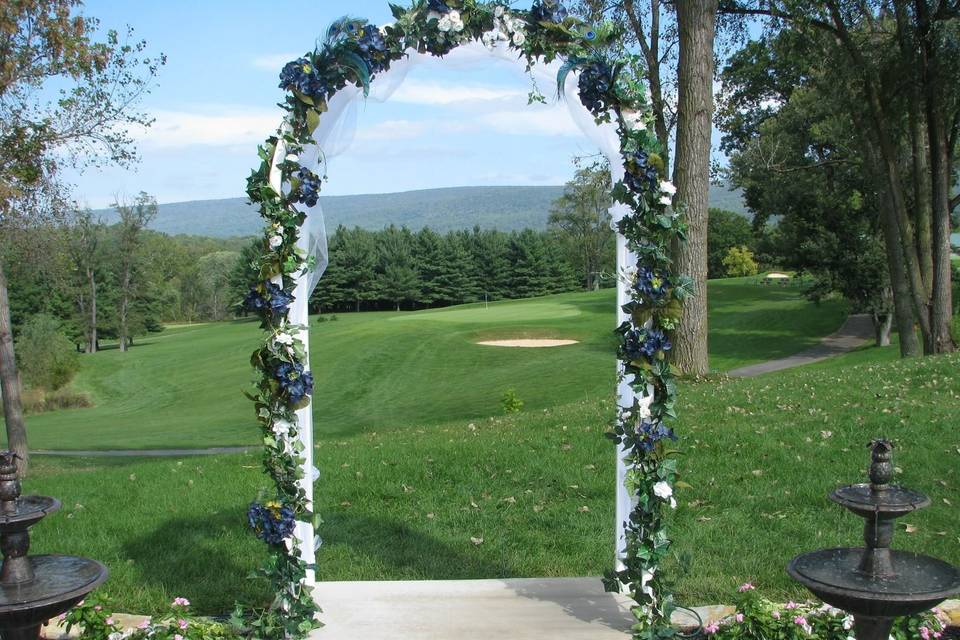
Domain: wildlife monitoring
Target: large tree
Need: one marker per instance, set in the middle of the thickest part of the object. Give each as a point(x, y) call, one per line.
point(581, 219)
point(65, 99)
point(134, 218)
point(896, 66)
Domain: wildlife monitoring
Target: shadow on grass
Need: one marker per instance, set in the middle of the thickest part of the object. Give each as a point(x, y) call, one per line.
point(189, 557)
point(385, 549)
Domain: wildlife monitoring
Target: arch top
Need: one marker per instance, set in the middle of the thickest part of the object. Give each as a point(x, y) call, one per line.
point(566, 57)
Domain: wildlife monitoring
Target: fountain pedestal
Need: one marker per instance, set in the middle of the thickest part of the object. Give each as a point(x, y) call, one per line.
point(876, 583)
point(34, 589)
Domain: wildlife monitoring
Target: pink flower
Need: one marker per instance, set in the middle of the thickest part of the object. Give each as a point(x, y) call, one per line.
point(181, 602)
point(62, 616)
point(183, 624)
point(800, 620)
point(109, 621)
point(97, 608)
point(746, 586)
point(145, 624)
point(925, 633)
point(178, 637)
point(776, 615)
point(738, 617)
point(711, 628)
point(791, 605)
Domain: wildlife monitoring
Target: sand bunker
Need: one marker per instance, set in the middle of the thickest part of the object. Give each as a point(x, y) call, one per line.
point(528, 343)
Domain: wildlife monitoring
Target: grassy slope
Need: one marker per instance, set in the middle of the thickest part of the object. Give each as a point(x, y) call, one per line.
point(757, 460)
point(385, 370)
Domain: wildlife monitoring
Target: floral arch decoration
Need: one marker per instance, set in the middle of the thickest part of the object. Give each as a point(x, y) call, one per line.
point(559, 50)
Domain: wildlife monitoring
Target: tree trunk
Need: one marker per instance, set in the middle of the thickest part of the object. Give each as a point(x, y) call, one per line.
point(882, 324)
point(10, 384)
point(124, 302)
point(697, 23)
point(92, 343)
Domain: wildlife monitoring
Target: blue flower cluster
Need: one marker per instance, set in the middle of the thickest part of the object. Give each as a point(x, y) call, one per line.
point(296, 382)
point(641, 175)
point(309, 187)
point(272, 522)
point(652, 284)
point(596, 82)
point(303, 76)
point(643, 342)
point(650, 433)
point(276, 300)
point(373, 48)
point(548, 11)
point(438, 5)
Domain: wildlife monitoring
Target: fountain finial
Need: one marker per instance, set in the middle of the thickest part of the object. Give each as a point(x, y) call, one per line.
point(881, 469)
point(9, 482)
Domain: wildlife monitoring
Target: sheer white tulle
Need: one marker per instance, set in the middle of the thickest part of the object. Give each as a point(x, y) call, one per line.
point(334, 136)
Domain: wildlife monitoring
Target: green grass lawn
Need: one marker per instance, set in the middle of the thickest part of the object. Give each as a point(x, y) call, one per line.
point(538, 488)
point(378, 371)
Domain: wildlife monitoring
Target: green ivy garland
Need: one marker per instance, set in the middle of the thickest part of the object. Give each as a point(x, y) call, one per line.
point(352, 54)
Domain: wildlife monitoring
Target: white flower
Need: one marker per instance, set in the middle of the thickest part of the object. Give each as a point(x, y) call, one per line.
point(663, 490)
point(634, 120)
point(848, 623)
point(282, 428)
point(275, 241)
point(498, 11)
point(283, 338)
point(673, 502)
point(666, 200)
point(445, 24)
point(519, 38)
point(292, 157)
point(488, 39)
point(454, 16)
point(667, 187)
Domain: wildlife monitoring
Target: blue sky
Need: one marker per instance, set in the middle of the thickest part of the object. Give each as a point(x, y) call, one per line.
point(216, 98)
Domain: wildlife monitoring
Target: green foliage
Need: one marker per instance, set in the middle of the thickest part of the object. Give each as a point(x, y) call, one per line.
point(47, 359)
point(725, 230)
point(511, 402)
point(739, 262)
point(175, 624)
point(92, 619)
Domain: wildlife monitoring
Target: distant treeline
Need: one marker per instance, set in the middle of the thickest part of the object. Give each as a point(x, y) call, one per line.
point(399, 269)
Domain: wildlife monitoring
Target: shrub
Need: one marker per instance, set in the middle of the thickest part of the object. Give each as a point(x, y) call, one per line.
point(46, 357)
point(739, 262)
point(511, 402)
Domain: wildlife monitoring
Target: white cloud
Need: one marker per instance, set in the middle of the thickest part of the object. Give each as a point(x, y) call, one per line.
point(173, 129)
point(274, 61)
point(552, 121)
point(438, 93)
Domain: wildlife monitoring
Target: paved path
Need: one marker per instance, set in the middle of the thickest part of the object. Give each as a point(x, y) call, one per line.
point(857, 330)
point(143, 453)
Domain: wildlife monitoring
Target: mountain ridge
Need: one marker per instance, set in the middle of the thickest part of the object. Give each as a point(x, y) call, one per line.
point(506, 208)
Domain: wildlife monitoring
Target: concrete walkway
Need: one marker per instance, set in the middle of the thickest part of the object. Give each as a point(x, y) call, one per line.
point(142, 453)
point(856, 331)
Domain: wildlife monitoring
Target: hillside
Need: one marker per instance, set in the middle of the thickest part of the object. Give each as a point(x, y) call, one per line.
point(504, 208)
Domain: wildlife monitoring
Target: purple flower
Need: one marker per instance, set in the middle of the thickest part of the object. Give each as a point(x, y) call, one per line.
point(655, 342)
point(548, 11)
point(296, 382)
point(652, 284)
point(373, 48)
point(303, 76)
point(272, 522)
point(640, 174)
point(596, 82)
point(270, 297)
point(438, 5)
point(636, 343)
point(310, 184)
point(650, 433)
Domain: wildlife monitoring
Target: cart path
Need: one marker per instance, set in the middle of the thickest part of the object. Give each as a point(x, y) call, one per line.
point(143, 453)
point(855, 332)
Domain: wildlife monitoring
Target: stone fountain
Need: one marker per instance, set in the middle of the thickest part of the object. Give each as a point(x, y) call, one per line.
point(34, 589)
point(876, 583)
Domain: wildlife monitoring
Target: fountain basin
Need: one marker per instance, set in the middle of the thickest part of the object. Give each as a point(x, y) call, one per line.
point(59, 583)
point(27, 511)
point(892, 502)
point(920, 582)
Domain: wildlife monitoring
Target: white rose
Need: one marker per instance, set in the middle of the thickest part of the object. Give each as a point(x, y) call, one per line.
point(283, 338)
point(519, 38)
point(275, 241)
point(666, 200)
point(445, 24)
point(498, 11)
point(458, 26)
point(848, 623)
point(663, 490)
point(667, 187)
point(282, 428)
point(454, 16)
